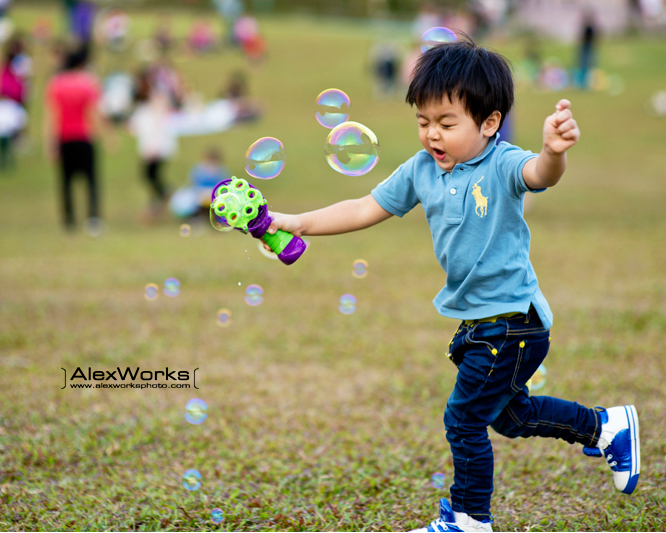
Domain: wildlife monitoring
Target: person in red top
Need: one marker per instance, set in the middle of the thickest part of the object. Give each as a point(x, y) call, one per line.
point(70, 127)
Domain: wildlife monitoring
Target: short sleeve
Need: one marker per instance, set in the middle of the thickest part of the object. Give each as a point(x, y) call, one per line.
point(510, 162)
point(396, 194)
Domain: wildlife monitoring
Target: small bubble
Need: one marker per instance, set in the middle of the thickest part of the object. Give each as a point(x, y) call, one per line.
point(538, 380)
point(171, 287)
point(192, 479)
point(185, 230)
point(151, 291)
point(265, 252)
point(223, 318)
point(360, 268)
point(254, 295)
point(438, 480)
point(196, 411)
point(347, 304)
point(239, 283)
point(216, 516)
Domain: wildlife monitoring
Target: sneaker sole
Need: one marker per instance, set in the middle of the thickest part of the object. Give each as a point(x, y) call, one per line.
point(632, 418)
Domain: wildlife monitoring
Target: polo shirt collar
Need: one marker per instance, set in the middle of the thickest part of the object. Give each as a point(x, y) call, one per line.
point(489, 148)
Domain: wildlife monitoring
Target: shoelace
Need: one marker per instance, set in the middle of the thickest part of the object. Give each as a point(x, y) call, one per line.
point(608, 460)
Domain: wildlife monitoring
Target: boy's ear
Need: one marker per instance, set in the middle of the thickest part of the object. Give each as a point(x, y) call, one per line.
point(491, 124)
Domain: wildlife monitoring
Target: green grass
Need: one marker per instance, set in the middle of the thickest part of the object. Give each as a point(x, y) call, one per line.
point(320, 421)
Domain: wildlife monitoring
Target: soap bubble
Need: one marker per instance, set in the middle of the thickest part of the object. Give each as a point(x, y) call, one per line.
point(332, 108)
point(196, 411)
point(224, 318)
point(265, 252)
point(171, 287)
point(347, 304)
point(538, 380)
point(254, 295)
point(151, 292)
point(191, 479)
point(360, 268)
point(436, 36)
point(352, 149)
point(185, 230)
point(216, 516)
point(265, 158)
point(438, 480)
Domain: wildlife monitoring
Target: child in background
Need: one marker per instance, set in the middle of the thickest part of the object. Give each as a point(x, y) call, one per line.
point(472, 189)
point(194, 201)
point(151, 123)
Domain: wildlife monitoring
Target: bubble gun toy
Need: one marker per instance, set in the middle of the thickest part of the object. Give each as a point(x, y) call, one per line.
point(236, 204)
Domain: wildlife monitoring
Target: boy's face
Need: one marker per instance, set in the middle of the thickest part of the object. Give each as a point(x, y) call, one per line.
point(449, 133)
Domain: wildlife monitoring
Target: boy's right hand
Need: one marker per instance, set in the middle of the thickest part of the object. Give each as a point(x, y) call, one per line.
point(289, 223)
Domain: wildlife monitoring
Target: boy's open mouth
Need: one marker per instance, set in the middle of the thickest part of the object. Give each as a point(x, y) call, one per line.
point(439, 154)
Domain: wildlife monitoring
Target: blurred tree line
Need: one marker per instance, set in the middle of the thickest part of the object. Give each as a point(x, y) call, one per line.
point(353, 8)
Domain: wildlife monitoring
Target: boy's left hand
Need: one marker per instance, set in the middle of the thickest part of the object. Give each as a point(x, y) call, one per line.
point(560, 131)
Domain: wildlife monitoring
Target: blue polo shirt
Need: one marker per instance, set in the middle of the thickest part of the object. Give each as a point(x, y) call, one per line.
point(475, 214)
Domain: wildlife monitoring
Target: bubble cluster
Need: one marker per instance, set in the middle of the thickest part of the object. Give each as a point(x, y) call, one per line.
point(347, 304)
point(265, 158)
point(192, 479)
point(185, 230)
point(224, 318)
point(438, 480)
point(265, 252)
point(332, 108)
point(216, 516)
point(171, 287)
point(151, 291)
point(360, 268)
point(436, 36)
point(538, 380)
point(254, 295)
point(196, 411)
point(352, 149)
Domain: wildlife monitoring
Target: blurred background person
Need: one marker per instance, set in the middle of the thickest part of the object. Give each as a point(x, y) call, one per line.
point(193, 201)
point(13, 119)
point(385, 67)
point(156, 139)
point(71, 124)
point(586, 51)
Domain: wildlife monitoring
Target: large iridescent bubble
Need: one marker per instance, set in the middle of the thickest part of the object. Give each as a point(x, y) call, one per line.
point(436, 36)
point(352, 149)
point(265, 158)
point(332, 108)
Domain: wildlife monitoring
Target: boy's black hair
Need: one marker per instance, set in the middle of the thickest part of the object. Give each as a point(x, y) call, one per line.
point(479, 78)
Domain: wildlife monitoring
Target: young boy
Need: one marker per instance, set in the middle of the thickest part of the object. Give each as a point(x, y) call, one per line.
point(471, 187)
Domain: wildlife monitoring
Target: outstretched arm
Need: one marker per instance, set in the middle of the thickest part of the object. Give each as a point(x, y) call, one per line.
point(560, 132)
point(343, 217)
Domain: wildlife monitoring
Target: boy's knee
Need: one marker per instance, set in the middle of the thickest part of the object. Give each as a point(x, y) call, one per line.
point(509, 426)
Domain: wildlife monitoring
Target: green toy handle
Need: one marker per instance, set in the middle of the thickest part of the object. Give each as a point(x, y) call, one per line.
point(278, 241)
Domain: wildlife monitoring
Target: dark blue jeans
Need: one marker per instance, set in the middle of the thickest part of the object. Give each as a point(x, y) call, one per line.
point(495, 360)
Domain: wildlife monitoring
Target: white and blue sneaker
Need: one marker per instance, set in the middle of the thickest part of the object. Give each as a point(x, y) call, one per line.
point(620, 444)
point(449, 520)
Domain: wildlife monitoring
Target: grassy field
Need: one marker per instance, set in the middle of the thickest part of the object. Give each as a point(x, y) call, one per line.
point(317, 420)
